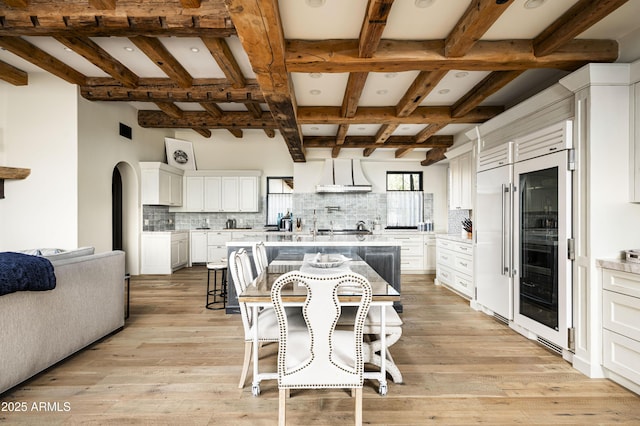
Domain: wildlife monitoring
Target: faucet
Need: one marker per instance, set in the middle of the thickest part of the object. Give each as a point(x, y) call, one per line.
point(360, 225)
point(331, 228)
point(314, 231)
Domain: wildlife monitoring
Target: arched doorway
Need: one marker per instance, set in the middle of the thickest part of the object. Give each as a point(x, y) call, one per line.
point(126, 215)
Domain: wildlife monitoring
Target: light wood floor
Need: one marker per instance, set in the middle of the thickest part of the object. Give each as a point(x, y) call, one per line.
point(177, 363)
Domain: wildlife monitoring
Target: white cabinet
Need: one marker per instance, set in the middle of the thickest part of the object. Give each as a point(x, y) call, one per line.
point(460, 182)
point(209, 191)
point(634, 165)
point(454, 265)
point(621, 326)
point(411, 252)
point(164, 252)
point(161, 184)
point(208, 246)
point(429, 254)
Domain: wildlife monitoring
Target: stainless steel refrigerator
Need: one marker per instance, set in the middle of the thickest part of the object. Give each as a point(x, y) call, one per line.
point(523, 234)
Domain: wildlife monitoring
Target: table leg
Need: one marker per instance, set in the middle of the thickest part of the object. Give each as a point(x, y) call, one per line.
point(255, 388)
point(383, 350)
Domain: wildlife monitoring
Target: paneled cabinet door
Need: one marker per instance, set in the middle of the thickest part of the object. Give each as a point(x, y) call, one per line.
point(195, 190)
point(248, 194)
point(198, 247)
point(230, 198)
point(212, 194)
point(175, 196)
point(460, 182)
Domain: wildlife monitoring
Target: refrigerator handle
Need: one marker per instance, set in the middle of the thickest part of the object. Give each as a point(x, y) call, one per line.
point(513, 200)
point(503, 269)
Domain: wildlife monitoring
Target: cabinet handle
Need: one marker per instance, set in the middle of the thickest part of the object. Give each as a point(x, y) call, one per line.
point(463, 264)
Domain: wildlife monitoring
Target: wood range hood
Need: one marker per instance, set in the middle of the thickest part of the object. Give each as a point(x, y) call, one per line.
point(11, 173)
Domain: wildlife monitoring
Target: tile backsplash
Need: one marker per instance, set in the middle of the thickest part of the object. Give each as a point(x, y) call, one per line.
point(343, 209)
point(455, 220)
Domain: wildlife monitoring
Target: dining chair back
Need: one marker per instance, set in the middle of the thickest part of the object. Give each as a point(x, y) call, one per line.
point(321, 356)
point(260, 256)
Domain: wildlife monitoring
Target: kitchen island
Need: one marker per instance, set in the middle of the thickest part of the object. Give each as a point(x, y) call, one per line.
point(380, 252)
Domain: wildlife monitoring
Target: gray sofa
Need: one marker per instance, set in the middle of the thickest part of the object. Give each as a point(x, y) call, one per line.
point(40, 328)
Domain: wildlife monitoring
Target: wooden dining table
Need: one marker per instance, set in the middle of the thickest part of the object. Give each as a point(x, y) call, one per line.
point(258, 295)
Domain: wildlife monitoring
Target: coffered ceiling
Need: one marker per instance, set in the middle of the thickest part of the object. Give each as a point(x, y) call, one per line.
point(403, 75)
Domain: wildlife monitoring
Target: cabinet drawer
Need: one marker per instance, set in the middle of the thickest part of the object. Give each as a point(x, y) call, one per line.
point(215, 238)
point(464, 264)
point(446, 258)
point(411, 263)
point(463, 284)
point(621, 282)
point(621, 355)
point(412, 248)
point(621, 313)
point(445, 244)
point(463, 248)
point(444, 275)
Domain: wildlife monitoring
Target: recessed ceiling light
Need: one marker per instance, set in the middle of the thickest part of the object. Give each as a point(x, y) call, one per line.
point(381, 92)
point(315, 3)
point(315, 128)
point(532, 4)
point(405, 128)
point(424, 3)
point(443, 91)
point(67, 49)
point(315, 91)
point(391, 75)
point(195, 49)
point(462, 74)
point(128, 48)
point(362, 129)
point(315, 75)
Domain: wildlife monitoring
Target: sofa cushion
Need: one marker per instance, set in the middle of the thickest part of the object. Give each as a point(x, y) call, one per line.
point(68, 254)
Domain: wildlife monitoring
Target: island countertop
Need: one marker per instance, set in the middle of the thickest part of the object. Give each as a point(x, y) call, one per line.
point(319, 240)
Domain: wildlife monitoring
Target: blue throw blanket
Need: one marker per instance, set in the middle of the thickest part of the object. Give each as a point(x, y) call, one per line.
point(25, 272)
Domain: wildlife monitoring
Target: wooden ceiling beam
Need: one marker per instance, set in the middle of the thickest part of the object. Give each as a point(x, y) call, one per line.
point(170, 109)
point(271, 133)
point(212, 109)
point(223, 56)
point(202, 119)
point(375, 21)
point(92, 52)
point(103, 4)
point(423, 84)
point(433, 156)
point(401, 55)
point(236, 132)
point(190, 4)
point(387, 115)
point(572, 23)
point(477, 19)
point(150, 90)
point(260, 30)
point(355, 85)
point(13, 75)
point(364, 142)
point(16, 3)
point(254, 109)
point(205, 133)
point(428, 132)
point(39, 57)
point(487, 87)
point(155, 50)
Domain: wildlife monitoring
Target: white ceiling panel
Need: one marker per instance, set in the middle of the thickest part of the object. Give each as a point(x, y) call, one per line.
point(319, 89)
point(382, 89)
point(453, 86)
point(337, 19)
point(406, 21)
point(194, 56)
point(363, 129)
point(241, 56)
point(130, 56)
point(618, 24)
point(408, 129)
point(319, 129)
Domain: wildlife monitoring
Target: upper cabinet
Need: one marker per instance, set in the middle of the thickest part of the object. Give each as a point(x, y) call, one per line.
point(161, 184)
point(634, 165)
point(461, 182)
point(221, 191)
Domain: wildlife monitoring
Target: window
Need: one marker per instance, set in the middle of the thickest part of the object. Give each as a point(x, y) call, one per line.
point(279, 197)
point(405, 199)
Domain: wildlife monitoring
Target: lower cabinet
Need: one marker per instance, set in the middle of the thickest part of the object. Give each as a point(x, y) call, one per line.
point(164, 252)
point(412, 252)
point(208, 246)
point(621, 327)
point(454, 265)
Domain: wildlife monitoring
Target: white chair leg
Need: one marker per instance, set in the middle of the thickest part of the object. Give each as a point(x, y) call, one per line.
point(282, 421)
point(245, 364)
point(358, 413)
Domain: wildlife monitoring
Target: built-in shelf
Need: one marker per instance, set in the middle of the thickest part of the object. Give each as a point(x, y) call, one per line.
point(11, 173)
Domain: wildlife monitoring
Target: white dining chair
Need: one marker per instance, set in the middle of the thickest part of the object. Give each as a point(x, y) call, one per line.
point(322, 356)
point(260, 256)
point(240, 269)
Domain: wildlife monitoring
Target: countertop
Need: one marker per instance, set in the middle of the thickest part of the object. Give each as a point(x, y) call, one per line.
point(295, 239)
point(619, 265)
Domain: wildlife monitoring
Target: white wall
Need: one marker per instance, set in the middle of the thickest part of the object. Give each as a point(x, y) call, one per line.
point(38, 128)
point(100, 150)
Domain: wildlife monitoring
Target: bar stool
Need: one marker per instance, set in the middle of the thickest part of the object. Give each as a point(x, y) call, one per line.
point(213, 293)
